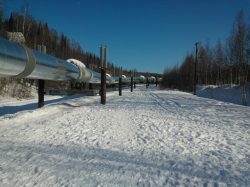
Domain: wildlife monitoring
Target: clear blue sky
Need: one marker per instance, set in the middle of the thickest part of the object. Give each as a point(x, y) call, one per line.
point(149, 35)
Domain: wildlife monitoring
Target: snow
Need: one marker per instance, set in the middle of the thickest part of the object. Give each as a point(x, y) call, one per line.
point(145, 138)
point(10, 105)
point(226, 93)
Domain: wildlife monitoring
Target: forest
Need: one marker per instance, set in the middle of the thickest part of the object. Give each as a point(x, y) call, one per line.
point(37, 33)
point(227, 62)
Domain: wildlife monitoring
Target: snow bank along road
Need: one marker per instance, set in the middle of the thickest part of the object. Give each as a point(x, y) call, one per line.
point(146, 138)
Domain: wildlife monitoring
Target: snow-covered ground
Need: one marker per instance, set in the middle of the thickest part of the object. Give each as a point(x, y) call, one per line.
point(145, 138)
point(226, 93)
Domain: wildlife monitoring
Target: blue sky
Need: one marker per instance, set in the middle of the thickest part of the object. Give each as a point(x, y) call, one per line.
point(149, 35)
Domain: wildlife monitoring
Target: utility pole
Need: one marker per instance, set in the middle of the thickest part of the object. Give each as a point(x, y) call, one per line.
point(196, 67)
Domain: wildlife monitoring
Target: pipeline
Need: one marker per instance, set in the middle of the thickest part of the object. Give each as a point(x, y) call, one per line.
point(19, 61)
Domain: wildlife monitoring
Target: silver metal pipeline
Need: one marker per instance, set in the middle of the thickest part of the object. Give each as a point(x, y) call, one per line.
point(114, 80)
point(17, 60)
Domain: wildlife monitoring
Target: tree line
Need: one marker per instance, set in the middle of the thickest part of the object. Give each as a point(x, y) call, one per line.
point(226, 63)
point(57, 44)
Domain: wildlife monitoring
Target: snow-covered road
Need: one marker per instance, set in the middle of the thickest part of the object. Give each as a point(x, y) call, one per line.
point(145, 138)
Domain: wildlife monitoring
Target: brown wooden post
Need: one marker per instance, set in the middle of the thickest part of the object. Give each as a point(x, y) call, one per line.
point(90, 86)
point(132, 82)
point(103, 55)
point(103, 86)
point(41, 83)
point(147, 81)
point(120, 82)
point(120, 86)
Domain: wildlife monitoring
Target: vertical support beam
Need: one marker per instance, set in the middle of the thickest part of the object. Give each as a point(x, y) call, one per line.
point(132, 82)
point(103, 74)
point(90, 86)
point(147, 81)
point(41, 83)
point(120, 86)
point(120, 82)
point(156, 81)
point(103, 86)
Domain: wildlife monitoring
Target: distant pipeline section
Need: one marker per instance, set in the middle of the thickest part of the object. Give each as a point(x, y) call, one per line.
point(19, 61)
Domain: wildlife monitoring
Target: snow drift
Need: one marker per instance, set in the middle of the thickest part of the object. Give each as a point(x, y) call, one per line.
point(227, 93)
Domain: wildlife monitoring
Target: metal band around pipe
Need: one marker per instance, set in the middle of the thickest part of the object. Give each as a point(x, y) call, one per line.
point(30, 64)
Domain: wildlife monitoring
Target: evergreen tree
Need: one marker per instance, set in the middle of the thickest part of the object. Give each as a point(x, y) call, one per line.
point(2, 28)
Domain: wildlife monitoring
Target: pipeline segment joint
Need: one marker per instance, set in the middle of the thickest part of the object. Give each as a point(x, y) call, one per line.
point(30, 64)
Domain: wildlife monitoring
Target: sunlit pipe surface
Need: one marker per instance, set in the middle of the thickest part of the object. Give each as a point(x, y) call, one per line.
point(126, 79)
point(16, 60)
